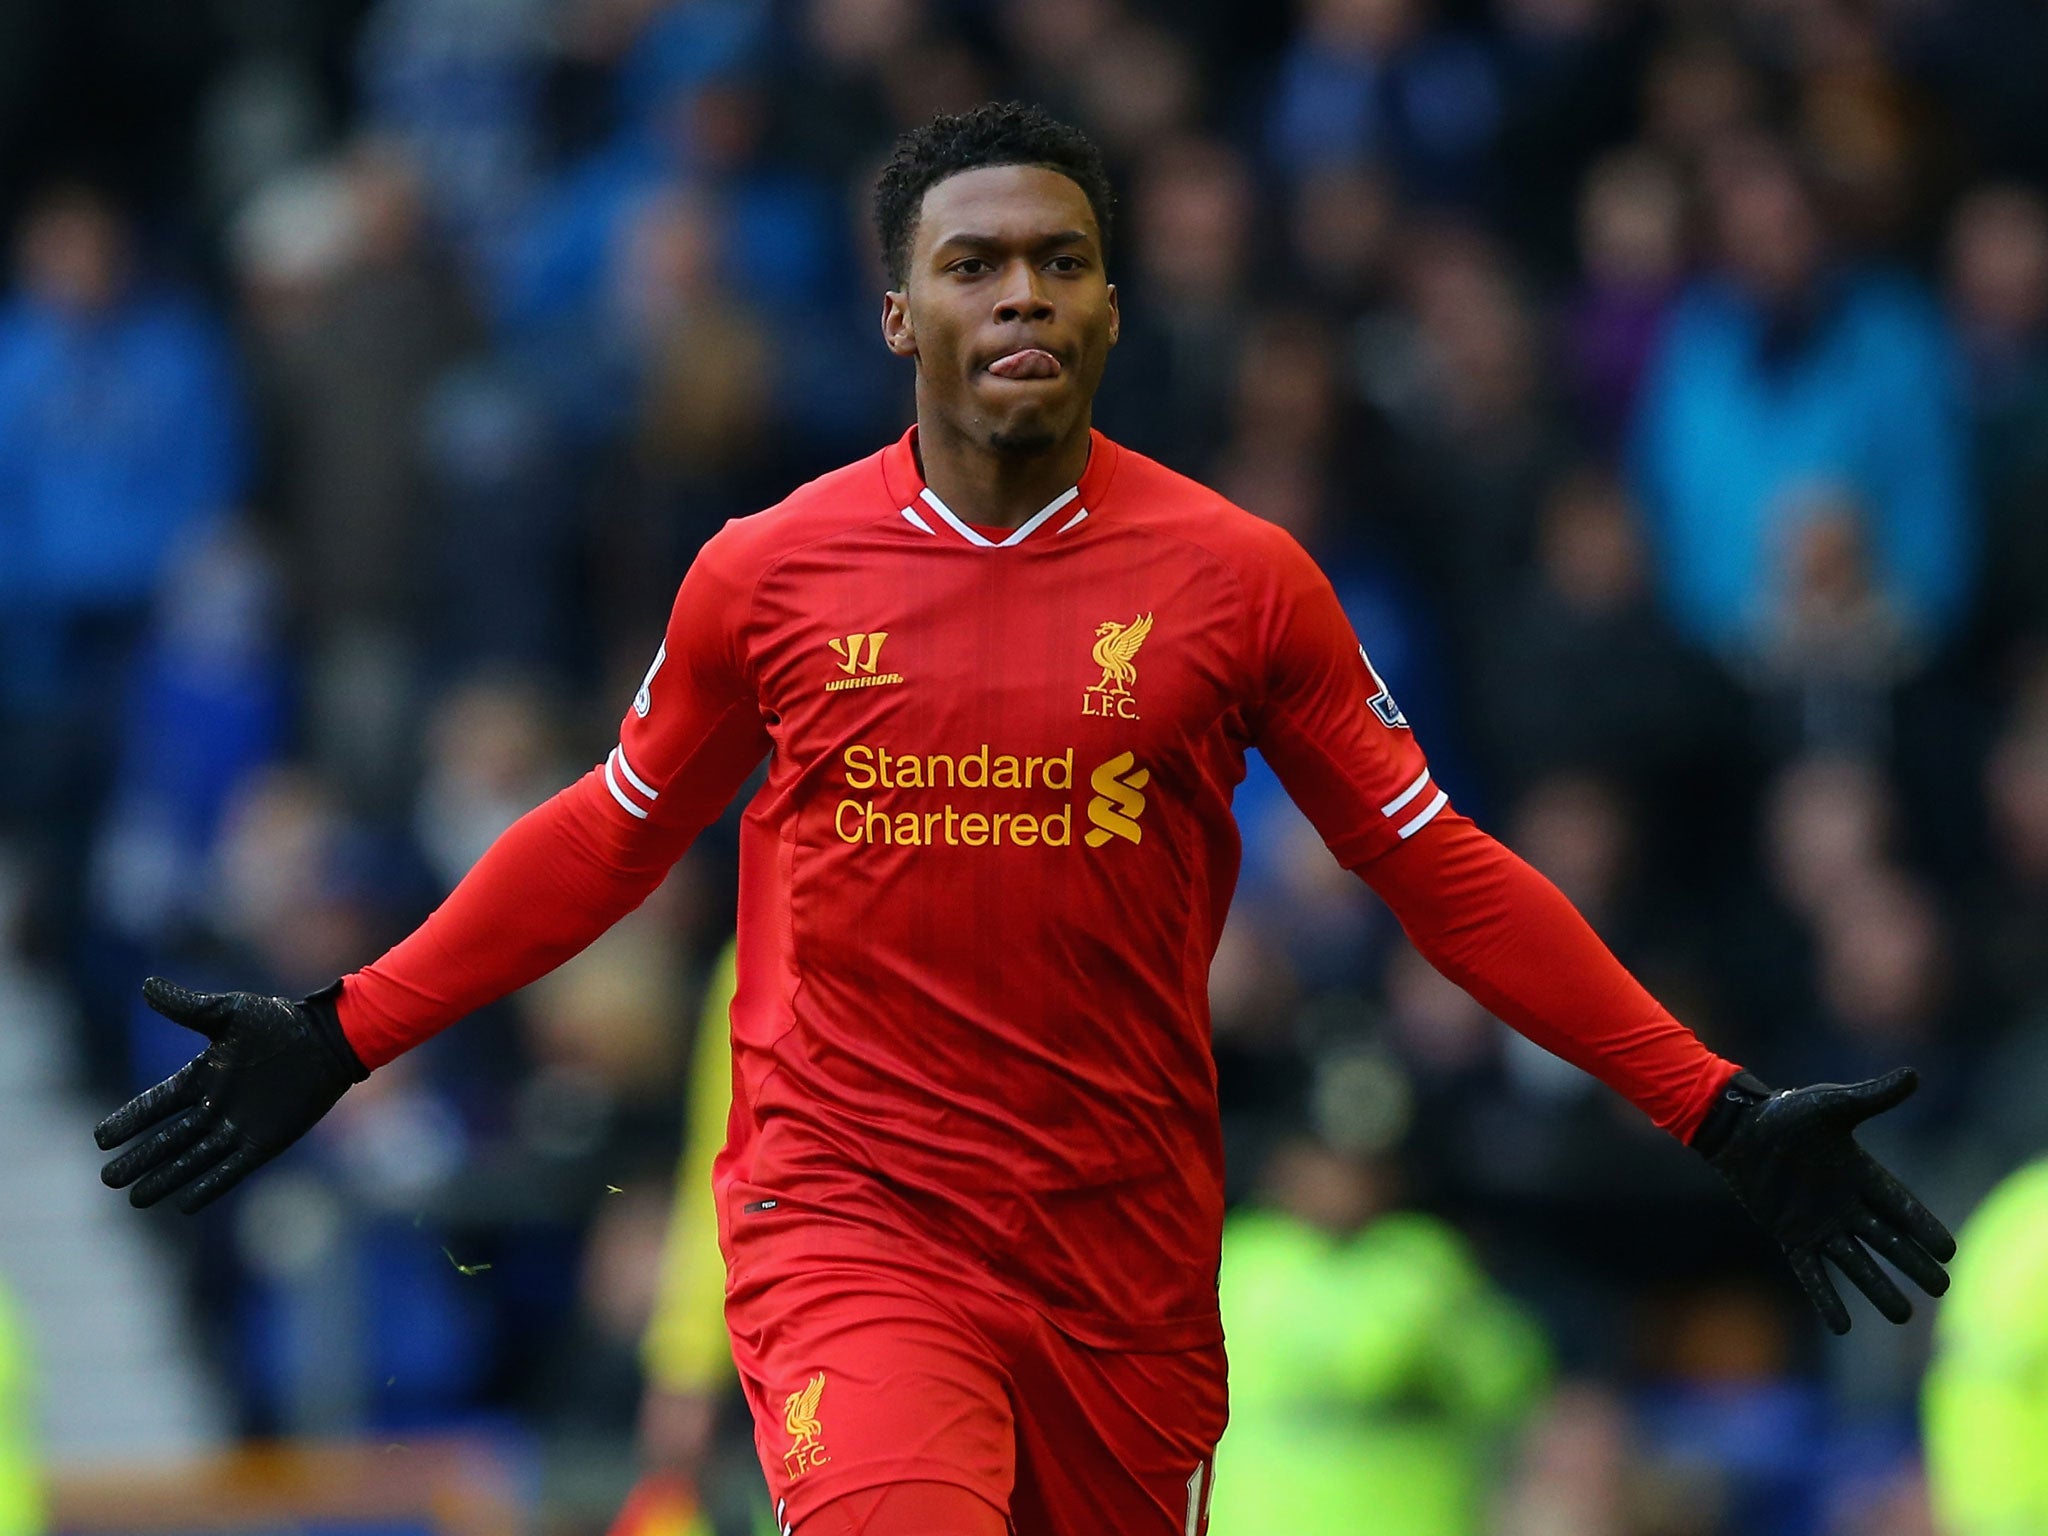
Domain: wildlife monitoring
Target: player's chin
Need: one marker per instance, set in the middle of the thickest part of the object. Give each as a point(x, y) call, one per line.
point(1023, 439)
point(1027, 425)
point(1034, 429)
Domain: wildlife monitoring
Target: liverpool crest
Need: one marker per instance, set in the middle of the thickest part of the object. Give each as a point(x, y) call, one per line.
point(1116, 647)
point(806, 1434)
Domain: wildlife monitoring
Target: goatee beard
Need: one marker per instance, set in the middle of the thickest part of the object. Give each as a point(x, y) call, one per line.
point(1023, 441)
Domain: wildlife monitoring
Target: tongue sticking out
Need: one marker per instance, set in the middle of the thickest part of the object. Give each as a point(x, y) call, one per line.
point(1031, 363)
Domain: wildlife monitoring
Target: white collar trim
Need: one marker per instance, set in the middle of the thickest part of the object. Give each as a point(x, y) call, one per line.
point(1016, 535)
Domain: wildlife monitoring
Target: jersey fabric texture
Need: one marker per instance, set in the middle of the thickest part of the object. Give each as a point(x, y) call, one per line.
point(908, 1509)
point(982, 883)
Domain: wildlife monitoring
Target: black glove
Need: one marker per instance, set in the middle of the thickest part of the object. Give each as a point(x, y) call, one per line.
point(1793, 1162)
point(273, 1069)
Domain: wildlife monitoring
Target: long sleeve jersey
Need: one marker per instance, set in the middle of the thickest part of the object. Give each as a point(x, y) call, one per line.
point(983, 881)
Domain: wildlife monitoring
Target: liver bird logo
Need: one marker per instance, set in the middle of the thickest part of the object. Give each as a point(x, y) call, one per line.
point(800, 1418)
point(1115, 645)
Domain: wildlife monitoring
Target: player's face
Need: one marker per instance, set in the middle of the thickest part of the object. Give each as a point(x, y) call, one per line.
point(1006, 306)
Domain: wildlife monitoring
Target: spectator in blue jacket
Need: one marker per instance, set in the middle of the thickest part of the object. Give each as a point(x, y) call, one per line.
point(1387, 82)
point(120, 430)
point(1790, 381)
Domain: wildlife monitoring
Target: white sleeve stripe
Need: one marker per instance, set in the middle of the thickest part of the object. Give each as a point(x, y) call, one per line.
point(1427, 814)
point(1406, 795)
point(619, 794)
point(633, 778)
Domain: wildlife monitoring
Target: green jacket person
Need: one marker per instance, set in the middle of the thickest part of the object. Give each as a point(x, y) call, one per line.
point(1986, 1398)
point(21, 1511)
point(1374, 1369)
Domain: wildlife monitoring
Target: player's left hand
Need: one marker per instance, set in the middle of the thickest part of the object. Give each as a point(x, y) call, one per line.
point(1793, 1162)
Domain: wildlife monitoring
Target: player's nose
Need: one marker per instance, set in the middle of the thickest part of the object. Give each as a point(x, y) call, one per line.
point(1023, 295)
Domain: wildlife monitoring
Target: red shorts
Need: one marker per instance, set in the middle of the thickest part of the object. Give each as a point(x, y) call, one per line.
point(866, 1364)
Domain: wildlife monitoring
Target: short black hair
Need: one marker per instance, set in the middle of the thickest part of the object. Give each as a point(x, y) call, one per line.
point(997, 133)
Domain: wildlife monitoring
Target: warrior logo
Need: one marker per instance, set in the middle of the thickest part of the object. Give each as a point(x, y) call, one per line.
point(858, 656)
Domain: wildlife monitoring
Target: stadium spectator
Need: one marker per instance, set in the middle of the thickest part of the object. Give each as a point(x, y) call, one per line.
point(356, 321)
point(1632, 263)
point(21, 1492)
point(1478, 438)
point(207, 703)
point(1998, 296)
point(834, 88)
point(2012, 927)
point(702, 359)
point(1581, 670)
point(1787, 377)
point(1985, 1406)
point(1341, 224)
point(458, 84)
point(348, 361)
point(1828, 825)
point(707, 134)
point(1139, 86)
point(1388, 81)
point(1578, 1473)
point(1375, 1369)
point(1569, 70)
point(493, 753)
point(1699, 91)
point(1835, 651)
point(1188, 237)
point(1886, 978)
point(1049, 42)
point(121, 434)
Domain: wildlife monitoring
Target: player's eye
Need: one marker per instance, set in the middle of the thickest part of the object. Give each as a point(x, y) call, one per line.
point(971, 266)
point(1066, 264)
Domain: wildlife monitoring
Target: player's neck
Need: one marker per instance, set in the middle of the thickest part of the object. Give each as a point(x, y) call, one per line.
point(996, 489)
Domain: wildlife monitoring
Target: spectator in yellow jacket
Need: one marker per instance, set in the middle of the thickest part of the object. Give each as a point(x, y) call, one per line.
point(1374, 1368)
point(1985, 1403)
point(685, 1356)
point(21, 1504)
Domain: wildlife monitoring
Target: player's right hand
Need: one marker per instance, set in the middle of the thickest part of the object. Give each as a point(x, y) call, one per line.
point(272, 1069)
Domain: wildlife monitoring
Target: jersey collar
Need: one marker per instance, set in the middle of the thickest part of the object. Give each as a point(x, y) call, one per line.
point(922, 509)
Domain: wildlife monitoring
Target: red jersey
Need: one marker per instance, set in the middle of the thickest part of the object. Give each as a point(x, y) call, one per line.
point(983, 882)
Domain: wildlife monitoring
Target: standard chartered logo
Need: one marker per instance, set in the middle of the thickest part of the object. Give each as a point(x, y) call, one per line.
point(903, 799)
point(1117, 804)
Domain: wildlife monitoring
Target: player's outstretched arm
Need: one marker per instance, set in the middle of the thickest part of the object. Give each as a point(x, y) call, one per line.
point(1509, 937)
point(1793, 1162)
point(543, 892)
point(271, 1069)
point(550, 885)
point(1330, 728)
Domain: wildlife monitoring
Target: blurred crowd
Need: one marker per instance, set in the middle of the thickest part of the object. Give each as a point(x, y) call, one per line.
point(1663, 384)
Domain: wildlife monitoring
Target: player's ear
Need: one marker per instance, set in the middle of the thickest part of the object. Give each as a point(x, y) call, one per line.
point(1116, 319)
point(897, 334)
